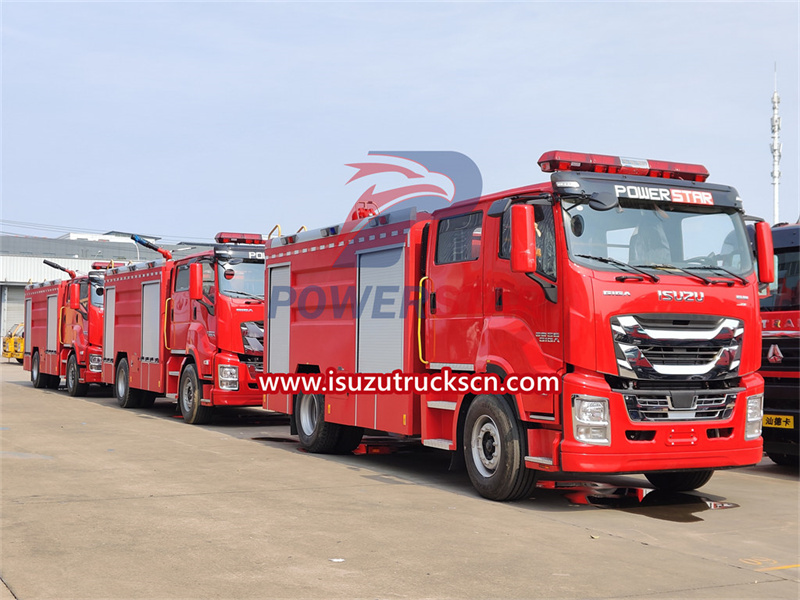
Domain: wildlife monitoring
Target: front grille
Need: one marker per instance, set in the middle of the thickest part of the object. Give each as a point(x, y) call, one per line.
point(674, 346)
point(669, 355)
point(678, 406)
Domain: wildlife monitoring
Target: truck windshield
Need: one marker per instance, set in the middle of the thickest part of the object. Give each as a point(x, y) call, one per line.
point(785, 291)
point(241, 279)
point(709, 241)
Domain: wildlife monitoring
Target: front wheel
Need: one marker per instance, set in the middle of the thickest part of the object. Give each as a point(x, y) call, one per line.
point(315, 434)
point(785, 460)
point(74, 385)
point(494, 451)
point(189, 394)
point(680, 481)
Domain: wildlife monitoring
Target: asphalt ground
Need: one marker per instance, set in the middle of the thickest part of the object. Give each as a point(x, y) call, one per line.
point(101, 502)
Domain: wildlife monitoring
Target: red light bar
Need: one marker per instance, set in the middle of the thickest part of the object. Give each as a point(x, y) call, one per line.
point(225, 237)
point(101, 266)
point(557, 160)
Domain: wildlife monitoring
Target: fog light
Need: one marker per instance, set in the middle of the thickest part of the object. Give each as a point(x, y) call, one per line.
point(228, 377)
point(590, 420)
point(755, 415)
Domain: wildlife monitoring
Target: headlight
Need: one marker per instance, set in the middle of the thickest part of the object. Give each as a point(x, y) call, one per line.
point(95, 363)
point(228, 377)
point(590, 420)
point(755, 414)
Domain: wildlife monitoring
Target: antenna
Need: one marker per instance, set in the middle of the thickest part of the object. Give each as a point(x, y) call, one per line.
point(776, 149)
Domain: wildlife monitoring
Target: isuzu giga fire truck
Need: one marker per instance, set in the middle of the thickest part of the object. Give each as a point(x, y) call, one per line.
point(190, 329)
point(780, 359)
point(631, 281)
point(64, 330)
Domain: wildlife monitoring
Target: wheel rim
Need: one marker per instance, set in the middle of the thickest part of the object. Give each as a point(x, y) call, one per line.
point(309, 414)
point(485, 445)
point(35, 367)
point(71, 375)
point(187, 397)
point(122, 385)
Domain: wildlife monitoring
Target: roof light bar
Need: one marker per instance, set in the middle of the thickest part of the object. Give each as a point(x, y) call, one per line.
point(226, 237)
point(557, 160)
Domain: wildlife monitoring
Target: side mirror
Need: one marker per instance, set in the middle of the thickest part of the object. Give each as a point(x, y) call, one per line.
point(523, 239)
point(765, 251)
point(74, 296)
point(603, 201)
point(196, 281)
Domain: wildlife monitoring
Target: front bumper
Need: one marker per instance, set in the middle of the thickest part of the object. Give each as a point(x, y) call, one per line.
point(248, 392)
point(642, 446)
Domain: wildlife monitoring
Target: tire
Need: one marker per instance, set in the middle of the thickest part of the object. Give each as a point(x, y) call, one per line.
point(785, 460)
point(38, 379)
point(20, 361)
point(681, 481)
point(349, 439)
point(74, 386)
point(189, 398)
point(314, 433)
point(126, 396)
point(494, 451)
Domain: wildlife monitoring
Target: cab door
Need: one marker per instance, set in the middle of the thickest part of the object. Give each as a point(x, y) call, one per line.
point(454, 316)
point(180, 309)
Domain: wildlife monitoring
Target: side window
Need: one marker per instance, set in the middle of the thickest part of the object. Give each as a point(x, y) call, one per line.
point(182, 279)
point(459, 239)
point(208, 279)
point(84, 298)
point(545, 240)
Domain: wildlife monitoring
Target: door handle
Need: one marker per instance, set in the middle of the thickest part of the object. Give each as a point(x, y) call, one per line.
point(498, 298)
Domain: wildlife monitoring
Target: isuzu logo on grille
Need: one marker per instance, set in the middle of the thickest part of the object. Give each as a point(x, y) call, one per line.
point(681, 296)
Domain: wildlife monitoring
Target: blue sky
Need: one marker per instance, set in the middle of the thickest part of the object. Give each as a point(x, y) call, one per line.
point(182, 119)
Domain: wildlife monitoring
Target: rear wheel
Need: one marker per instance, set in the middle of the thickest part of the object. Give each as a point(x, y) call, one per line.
point(38, 379)
point(189, 394)
point(74, 385)
point(681, 481)
point(494, 451)
point(315, 434)
point(126, 397)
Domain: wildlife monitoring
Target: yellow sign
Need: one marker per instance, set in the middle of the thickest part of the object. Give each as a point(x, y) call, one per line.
point(782, 422)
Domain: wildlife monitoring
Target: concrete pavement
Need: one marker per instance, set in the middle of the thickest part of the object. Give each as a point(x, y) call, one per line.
point(101, 502)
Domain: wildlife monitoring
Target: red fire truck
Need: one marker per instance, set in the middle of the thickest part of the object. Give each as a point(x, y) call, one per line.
point(190, 329)
point(630, 281)
point(64, 327)
point(780, 359)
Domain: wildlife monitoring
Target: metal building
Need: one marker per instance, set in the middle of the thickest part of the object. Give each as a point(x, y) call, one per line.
point(21, 262)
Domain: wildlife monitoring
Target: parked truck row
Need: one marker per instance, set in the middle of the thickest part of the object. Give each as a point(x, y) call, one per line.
point(632, 282)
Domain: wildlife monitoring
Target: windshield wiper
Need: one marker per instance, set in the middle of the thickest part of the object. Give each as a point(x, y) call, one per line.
point(244, 294)
point(741, 279)
point(619, 263)
point(673, 267)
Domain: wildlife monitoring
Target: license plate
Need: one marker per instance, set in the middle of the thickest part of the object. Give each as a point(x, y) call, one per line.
point(779, 421)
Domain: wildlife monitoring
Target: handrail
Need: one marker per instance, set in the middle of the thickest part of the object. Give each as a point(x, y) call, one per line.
point(59, 337)
point(419, 320)
point(166, 305)
point(278, 227)
point(303, 228)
